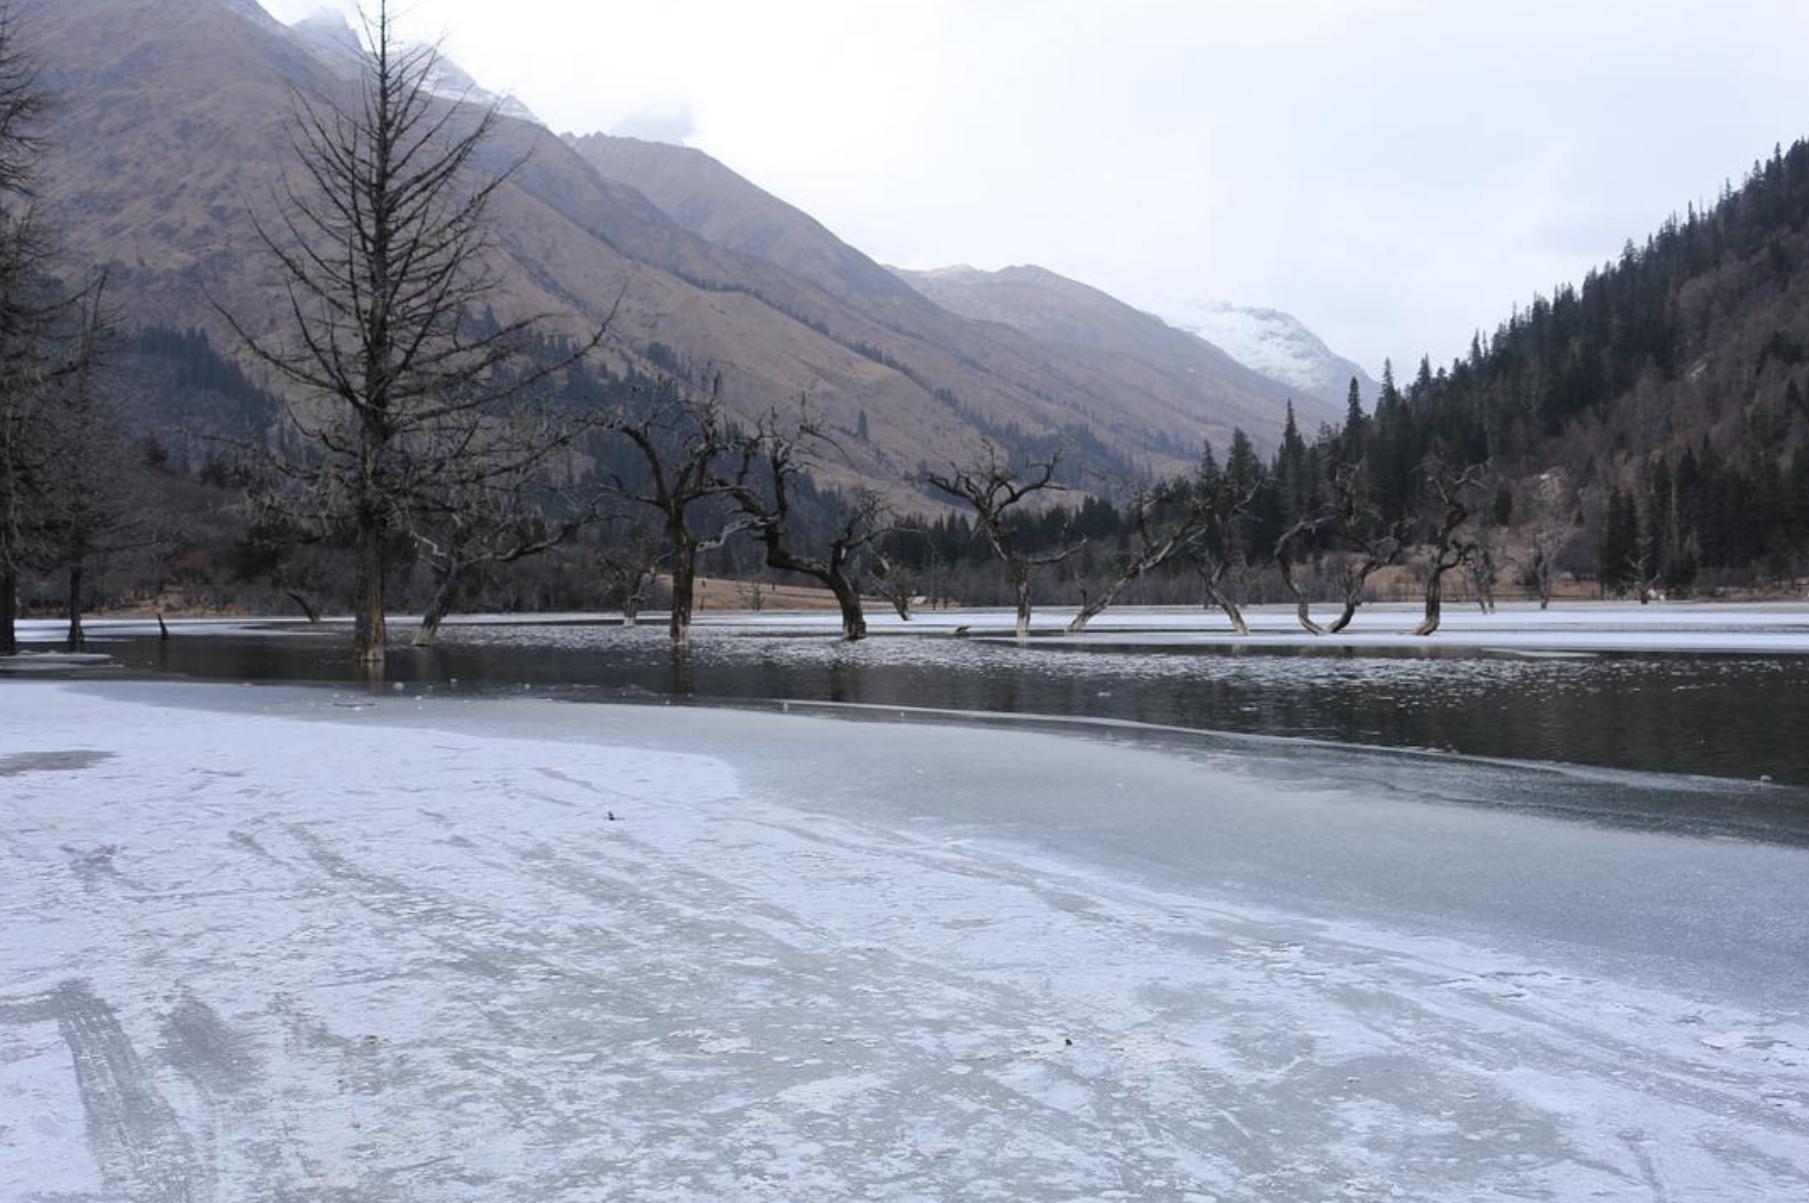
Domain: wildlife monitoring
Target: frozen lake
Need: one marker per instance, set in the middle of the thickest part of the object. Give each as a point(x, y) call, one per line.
point(346, 945)
point(1690, 689)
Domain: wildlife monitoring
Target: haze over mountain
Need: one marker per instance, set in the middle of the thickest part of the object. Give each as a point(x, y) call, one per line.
point(1072, 318)
point(1149, 361)
point(171, 128)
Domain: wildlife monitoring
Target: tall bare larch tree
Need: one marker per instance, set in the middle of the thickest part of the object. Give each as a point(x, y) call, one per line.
point(382, 247)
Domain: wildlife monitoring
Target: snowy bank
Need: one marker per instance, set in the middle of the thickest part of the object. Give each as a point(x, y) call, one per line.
point(279, 943)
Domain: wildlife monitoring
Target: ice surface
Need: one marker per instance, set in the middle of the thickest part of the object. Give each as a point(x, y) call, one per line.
point(298, 944)
point(1772, 627)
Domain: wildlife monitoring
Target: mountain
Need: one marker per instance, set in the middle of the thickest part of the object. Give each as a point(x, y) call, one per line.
point(1131, 361)
point(172, 125)
point(1276, 344)
point(1078, 321)
point(1658, 411)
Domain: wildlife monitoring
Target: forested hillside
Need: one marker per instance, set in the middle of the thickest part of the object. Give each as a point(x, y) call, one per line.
point(1662, 406)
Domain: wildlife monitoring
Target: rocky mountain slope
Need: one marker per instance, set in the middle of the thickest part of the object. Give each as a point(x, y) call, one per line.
point(1175, 378)
point(170, 131)
point(1076, 320)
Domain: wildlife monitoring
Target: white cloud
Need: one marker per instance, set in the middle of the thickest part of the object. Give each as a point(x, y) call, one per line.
point(1396, 173)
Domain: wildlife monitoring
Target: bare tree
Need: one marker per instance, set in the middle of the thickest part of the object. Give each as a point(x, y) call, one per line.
point(387, 265)
point(1293, 543)
point(629, 566)
point(773, 459)
point(1481, 571)
point(1452, 544)
point(485, 522)
point(1167, 522)
point(895, 583)
point(994, 489)
point(1225, 500)
point(684, 444)
point(27, 320)
point(94, 505)
point(1371, 542)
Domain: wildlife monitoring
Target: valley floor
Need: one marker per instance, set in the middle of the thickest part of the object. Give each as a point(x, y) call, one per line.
point(306, 945)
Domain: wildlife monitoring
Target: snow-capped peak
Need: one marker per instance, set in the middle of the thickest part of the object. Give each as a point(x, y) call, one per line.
point(1274, 343)
point(330, 34)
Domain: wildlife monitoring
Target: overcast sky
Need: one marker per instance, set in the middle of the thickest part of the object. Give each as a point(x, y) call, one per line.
point(1395, 173)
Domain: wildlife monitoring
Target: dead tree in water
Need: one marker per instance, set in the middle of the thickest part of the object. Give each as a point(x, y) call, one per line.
point(382, 247)
point(94, 504)
point(894, 583)
point(1168, 522)
point(33, 315)
point(1372, 543)
point(773, 460)
point(684, 444)
point(1481, 572)
point(1224, 500)
point(488, 504)
point(1287, 548)
point(628, 567)
point(1452, 547)
point(994, 489)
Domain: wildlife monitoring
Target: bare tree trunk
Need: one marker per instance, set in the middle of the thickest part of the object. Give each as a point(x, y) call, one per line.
point(1218, 597)
point(307, 607)
point(631, 609)
point(1351, 602)
point(9, 611)
point(854, 621)
point(1097, 606)
point(1302, 605)
point(684, 592)
point(371, 633)
point(78, 639)
point(1020, 586)
point(1435, 597)
point(439, 607)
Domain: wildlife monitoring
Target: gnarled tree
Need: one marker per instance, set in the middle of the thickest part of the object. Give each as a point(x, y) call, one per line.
point(994, 489)
point(1451, 542)
point(774, 457)
point(1166, 522)
point(1294, 543)
point(1371, 542)
point(1225, 499)
point(628, 565)
point(684, 446)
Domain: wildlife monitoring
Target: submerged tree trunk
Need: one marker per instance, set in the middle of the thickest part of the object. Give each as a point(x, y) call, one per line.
point(370, 629)
point(78, 638)
point(1097, 606)
point(854, 620)
point(1435, 598)
point(1020, 587)
point(1302, 604)
point(1351, 602)
point(9, 611)
point(684, 594)
point(307, 607)
point(1216, 596)
point(440, 606)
